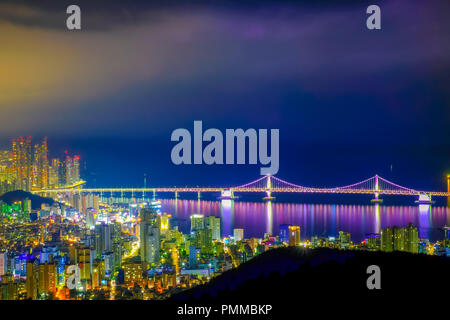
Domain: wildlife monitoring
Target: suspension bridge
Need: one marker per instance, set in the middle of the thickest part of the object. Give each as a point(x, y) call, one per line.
point(268, 185)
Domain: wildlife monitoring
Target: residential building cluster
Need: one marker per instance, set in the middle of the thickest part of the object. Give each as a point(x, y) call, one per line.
point(134, 251)
point(26, 167)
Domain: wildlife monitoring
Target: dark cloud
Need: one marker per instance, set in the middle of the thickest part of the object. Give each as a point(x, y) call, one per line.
point(139, 70)
point(106, 14)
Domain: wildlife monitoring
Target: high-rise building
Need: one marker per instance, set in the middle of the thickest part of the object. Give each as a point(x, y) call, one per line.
point(149, 236)
point(344, 239)
point(108, 258)
point(48, 253)
point(22, 162)
point(386, 239)
point(132, 272)
point(412, 239)
point(373, 241)
point(294, 235)
point(447, 233)
point(7, 176)
point(447, 237)
point(31, 284)
point(197, 222)
point(9, 289)
point(72, 169)
point(164, 224)
point(238, 234)
point(400, 239)
point(103, 238)
point(41, 165)
point(90, 219)
point(213, 223)
point(84, 263)
point(284, 233)
point(54, 174)
point(3, 263)
point(203, 240)
point(193, 256)
point(47, 278)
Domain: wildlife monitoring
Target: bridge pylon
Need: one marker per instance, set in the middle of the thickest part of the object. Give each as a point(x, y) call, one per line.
point(376, 193)
point(268, 196)
point(448, 189)
point(227, 194)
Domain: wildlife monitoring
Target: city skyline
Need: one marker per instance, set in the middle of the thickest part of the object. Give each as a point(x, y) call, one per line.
point(224, 157)
point(42, 164)
point(28, 168)
point(373, 105)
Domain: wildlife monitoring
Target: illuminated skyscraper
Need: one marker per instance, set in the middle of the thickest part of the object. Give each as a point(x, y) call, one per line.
point(149, 236)
point(373, 241)
point(203, 240)
point(31, 284)
point(386, 239)
point(47, 278)
point(72, 169)
point(9, 289)
point(7, 176)
point(213, 223)
point(132, 272)
point(41, 165)
point(90, 219)
point(3, 263)
point(294, 235)
point(284, 233)
point(448, 189)
point(238, 234)
point(447, 237)
point(447, 233)
point(344, 239)
point(164, 224)
point(197, 222)
point(76, 168)
point(54, 175)
point(108, 258)
point(399, 238)
point(412, 239)
point(22, 163)
point(84, 263)
point(193, 256)
point(103, 238)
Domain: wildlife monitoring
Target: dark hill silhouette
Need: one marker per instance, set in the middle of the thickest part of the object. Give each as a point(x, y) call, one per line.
point(20, 195)
point(288, 275)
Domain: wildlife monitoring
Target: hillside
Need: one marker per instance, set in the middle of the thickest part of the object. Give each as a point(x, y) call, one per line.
point(20, 195)
point(286, 274)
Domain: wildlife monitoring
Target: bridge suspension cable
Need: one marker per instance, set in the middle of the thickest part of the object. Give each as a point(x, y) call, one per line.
point(376, 183)
point(373, 185)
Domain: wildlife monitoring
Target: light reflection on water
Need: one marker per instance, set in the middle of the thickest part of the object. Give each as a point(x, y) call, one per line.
point(257, 218)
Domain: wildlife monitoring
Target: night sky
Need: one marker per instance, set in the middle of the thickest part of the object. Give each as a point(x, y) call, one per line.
point(349, 102)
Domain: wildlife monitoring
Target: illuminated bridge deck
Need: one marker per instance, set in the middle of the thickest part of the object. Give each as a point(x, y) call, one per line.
point(270, 184)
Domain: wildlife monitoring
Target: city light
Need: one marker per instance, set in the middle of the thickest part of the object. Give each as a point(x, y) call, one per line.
point(118, 243)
